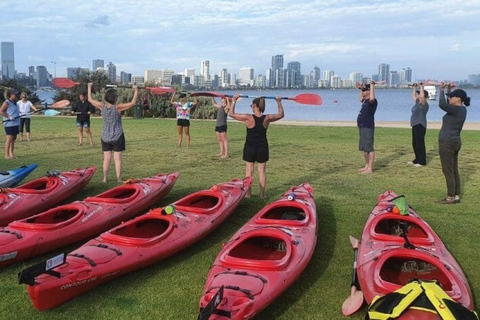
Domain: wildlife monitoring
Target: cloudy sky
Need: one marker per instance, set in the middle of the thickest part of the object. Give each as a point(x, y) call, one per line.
point(438, 39)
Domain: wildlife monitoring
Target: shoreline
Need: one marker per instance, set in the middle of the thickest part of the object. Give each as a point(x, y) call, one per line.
point(378, 124)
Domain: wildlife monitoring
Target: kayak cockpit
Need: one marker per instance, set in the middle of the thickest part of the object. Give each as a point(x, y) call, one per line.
point(54, 218)
point(390, 228)
point(284, 213)
point(202, 202)
point(268, 249)
point(38, 186)
point(121, 194)
point(141, 231)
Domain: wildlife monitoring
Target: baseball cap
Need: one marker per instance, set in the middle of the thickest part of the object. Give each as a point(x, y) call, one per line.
point(459, 93)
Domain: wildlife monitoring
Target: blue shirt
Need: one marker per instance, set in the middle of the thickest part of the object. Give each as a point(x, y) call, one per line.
point(13, 112)
point(366, 117)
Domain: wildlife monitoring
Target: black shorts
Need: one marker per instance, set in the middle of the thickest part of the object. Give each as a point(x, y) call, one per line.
point(117, 146)
point(12, 131)
point(255, 153)
point(183, 123)
point(221, 128)
point(366, 139)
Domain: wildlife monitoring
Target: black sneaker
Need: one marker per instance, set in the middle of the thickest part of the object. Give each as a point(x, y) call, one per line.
point(448, 200)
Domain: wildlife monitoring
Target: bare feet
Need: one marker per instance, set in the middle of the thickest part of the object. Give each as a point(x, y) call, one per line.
point(119, 180)
point(363, 169)
point(219, 154)
point(225, 156)
point(79, 144)
point(368, 171)
point(104, 180)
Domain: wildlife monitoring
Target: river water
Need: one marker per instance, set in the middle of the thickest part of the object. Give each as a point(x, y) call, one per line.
point(343, 104)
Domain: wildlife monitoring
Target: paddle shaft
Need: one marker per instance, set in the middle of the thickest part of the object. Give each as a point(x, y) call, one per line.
point(354, 276)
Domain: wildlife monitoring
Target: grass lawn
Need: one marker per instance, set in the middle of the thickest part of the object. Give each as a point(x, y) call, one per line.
point(327, 157)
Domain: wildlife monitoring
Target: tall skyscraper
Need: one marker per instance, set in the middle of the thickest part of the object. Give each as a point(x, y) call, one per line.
point(42, 76)
point(205, 69)
point(97, 63)
point(294, 74)
point(327, 77)
point(223, 78)
point(152, 77)
point(356, 77)
point(384, 73)
point(190, 72)
point(8, 60)
point(394, 78)
point(112, 72)
point(125, 77)
point(268, 77)
point(245, 76)
point(277, 76)
point(405, 75)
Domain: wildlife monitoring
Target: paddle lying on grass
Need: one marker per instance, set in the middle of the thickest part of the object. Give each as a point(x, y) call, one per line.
point(303, 98)
point(355, 300)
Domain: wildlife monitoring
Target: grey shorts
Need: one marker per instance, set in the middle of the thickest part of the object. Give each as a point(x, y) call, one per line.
point(366, 140)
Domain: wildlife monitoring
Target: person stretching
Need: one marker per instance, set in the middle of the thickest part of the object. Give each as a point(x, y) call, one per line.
point(113, 138)
point(256, 144)
point(184, 110)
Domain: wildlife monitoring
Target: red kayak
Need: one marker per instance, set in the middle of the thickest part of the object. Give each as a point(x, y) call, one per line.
point(398, 248)
point(80, 220)
point(40, 194)
point(263, 258)
point(135, 244)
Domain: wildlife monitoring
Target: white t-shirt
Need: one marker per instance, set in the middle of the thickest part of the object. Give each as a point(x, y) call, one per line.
point(24, 108)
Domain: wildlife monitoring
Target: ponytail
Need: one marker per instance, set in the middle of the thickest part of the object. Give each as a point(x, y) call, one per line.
point(467, 101)
point(260, 103)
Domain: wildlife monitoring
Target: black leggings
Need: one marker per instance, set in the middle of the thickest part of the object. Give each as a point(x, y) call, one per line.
point(25, 122)
point(418, 142)
point(448, 151)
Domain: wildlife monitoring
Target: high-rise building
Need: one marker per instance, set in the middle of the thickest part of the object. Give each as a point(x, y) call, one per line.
point(178, 79)
point(259, 81)
point(205, 69)
point(405, 75)
point(245, 76)
point(190, 72)
point(73, 72)
point(307, 81)
point(112, 72)
point(152, 76)
point(394, 79)
point(8, 60)
point(223, 78)
point(42, 76)
point(356, 77)
point(233, 79)
point(31, 71)
point(294, 74)
point(327, 77)
point(336, 81)
point(98, 64)
point(384, 73)
point(268, 77)
point(277, 75)
point(166, 77)
point(125, 77)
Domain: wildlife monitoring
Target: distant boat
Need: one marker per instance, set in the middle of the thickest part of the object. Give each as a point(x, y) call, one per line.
point(432, 92)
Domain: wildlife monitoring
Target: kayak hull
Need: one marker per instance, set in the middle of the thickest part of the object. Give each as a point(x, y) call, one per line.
point(79, 220)
point(138, 243)
point(12, 177)
point(386, 264)
point(264, 257)
point(40, 194)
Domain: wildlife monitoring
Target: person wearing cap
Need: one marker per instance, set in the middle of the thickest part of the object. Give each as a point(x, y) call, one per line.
point(83, 109)
point(24, 107)
point(366, 124)
point(449, 141)
point(418, 121)
point(184, 110)
point(11, 121)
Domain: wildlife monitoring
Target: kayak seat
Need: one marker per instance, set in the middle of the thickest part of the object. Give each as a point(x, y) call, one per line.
point(288, 213)
point(120, 194)
point(387, 228)
point(141, 231)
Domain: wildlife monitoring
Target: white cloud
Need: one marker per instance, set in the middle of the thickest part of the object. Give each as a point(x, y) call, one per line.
point(455, 47)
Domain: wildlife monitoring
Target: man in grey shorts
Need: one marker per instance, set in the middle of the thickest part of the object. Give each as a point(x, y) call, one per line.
point(366, 124)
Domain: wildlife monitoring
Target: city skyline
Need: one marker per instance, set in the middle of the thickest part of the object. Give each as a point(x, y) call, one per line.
point(436, 39)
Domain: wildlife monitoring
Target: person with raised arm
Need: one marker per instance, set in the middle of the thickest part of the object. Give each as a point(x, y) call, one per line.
point(256, 143)
point(183, 110)
point(449, 140)
point(221, 125)
point(24, 108)
point(366, 124)
point(11, 121)
point(113, 138)
point(83, 109)
point(418, 122)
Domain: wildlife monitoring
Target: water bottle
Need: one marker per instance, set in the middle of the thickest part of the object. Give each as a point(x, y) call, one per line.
point(291, 197)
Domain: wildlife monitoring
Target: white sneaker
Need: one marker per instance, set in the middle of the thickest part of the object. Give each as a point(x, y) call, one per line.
point(417, 165)
point(410, 162)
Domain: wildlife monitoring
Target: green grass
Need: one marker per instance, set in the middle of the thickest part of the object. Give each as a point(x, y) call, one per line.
point(327, 157)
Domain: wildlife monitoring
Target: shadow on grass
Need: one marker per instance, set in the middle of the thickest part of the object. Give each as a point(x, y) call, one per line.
point(383, 161)
point(320, 260)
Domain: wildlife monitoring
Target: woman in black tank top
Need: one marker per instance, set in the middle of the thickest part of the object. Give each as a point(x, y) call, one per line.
point(256, 144)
